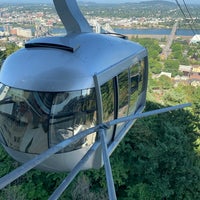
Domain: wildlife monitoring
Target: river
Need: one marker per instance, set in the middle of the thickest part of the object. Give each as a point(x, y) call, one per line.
point(179, 32)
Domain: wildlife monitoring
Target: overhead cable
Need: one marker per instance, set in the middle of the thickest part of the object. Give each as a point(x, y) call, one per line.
point(185, 16)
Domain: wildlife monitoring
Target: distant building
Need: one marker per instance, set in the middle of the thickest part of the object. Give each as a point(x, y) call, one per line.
point(2, 48)
point(27, 33)
point(186, 70)
point(13, 31)
point(195, 75)
point(195, 39)
point(165, 74)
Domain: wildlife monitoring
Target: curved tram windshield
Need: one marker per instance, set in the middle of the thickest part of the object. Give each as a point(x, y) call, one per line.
point(34, 121)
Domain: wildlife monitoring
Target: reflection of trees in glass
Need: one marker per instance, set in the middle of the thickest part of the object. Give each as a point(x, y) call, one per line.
point(141, 77)
point(123, 93)
point(134, 78)
point(76, 112)
point(107, 92)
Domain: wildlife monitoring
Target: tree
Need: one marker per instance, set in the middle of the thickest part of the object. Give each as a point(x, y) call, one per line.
point(155, 66)
point(171, 66)
point(10, 48)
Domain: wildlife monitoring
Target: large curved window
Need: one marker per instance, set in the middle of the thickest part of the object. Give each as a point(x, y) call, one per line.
point(71, 113)
point(32, 121)
point(24, 119)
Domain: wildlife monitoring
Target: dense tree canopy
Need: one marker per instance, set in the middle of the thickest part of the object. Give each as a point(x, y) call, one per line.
point(10, 48)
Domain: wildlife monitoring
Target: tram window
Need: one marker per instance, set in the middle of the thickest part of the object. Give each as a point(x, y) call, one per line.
point(23, 122)
point(107, 92)
point(71, 113)
point(134, 78)
point(123, 93)
point(141, 75)
point(108, 103)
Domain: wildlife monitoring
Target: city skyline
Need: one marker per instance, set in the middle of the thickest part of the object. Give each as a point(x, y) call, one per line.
point(97, 1)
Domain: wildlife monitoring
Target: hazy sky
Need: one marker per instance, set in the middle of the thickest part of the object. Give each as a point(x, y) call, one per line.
point(98, 1)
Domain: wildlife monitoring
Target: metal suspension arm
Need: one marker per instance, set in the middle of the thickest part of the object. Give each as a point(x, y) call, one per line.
point(71, 16)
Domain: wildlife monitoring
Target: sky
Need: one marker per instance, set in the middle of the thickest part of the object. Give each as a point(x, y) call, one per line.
point(97, 1)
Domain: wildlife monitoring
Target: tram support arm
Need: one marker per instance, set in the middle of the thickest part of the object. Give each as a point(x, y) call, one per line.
point(107, 166)
point(58, 192)
point(146, 114)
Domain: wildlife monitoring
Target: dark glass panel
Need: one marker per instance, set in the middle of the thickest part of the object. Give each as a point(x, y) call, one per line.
point(134, 78)
point(123, 94)
point(107, 92)
point(25, 117)
point(23, 122)
point(141, 76)
point(108, 95)
point(71, 113)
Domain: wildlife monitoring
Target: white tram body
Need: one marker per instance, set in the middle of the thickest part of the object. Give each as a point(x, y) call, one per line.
point(55, 87)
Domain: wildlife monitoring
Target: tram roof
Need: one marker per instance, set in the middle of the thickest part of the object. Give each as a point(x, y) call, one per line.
point(48, 67)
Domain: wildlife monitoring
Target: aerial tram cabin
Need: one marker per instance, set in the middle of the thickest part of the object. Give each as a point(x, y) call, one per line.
point(56, 87)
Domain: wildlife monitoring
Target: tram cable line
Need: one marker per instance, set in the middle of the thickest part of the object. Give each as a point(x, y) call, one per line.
point(185, 16)
point(189, 13)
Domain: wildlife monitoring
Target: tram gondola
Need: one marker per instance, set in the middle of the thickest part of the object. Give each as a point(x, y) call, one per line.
point(55, 87)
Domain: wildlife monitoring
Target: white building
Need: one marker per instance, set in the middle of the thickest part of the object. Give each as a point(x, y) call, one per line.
point(195, 39)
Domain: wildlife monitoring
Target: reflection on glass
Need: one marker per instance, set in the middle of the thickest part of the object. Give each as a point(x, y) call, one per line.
point(134, 78)
point(31, 121)
point(71, 113)
point(123, 97)
point(123, 94)
point(107, 92)
point(141, 76)
point(23, 122)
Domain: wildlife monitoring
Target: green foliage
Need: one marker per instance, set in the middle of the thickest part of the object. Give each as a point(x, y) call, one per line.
point(10, 48)
point(155, 66)
point(193, 51)
point(160, 156)
point(171, 66)
point(158, 159)
point(160, 84)
point(165, 82)
point(12, 193)
point(177, 50)
point(6, 162)
point(152, 45)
